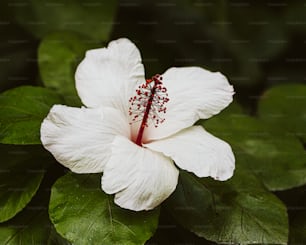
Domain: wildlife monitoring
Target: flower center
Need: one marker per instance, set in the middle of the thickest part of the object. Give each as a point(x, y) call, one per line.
point(147, 104)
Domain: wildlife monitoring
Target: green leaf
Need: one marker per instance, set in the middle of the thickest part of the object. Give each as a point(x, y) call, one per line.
point(278, 160)
point(58, 56)
point(284, 106)
point(31, 225)
point(92, 18)
point(239, 211)
point(21, 173)
point(22, 111)
point(83, 214)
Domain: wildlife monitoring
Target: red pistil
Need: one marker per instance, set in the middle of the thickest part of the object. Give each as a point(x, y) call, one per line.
point(145, 117)
point(149, 101)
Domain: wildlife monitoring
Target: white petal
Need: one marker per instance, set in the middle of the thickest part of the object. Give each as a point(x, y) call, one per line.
point(197, 151)
point(194, 93)
point(80, 138)
point(108, 76)
point(141, 178)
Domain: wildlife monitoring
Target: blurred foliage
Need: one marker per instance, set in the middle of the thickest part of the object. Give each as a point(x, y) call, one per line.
point(67, 49)
point(284, 106)
point(43, 17)
point(258, 45)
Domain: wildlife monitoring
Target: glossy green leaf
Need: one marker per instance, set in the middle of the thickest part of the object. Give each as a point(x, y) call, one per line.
point(22, 170)
point(83, 214)
point(22, 111)
point(284, 108)
point(29, 227)
point(58, 56)
point(92, 18)
point(239, 211)
point(280, 159)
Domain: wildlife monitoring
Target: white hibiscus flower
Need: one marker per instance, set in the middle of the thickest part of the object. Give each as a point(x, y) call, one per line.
point(138, 132)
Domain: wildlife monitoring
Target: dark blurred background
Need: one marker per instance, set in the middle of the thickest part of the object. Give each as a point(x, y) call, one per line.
point(257, 44)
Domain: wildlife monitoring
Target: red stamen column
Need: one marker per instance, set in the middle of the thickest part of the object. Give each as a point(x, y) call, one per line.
point(149, 101)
